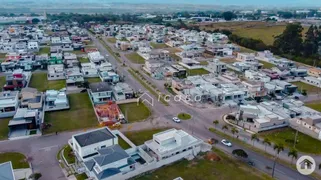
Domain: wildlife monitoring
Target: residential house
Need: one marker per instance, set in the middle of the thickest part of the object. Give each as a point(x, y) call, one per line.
point(89, 70)
point(74, 77)
point(315, 72)
point(70, 60)
point(217, 67)
point(9, 101)
point(122, 91)
point(96, 57)
point(56, 100)
point(31, 98)
point(33, 46)
point(299, 72)
point(109, 76)
point(56, 72)
point(16, 80)
point(245, 57)
point(100, 92)
point(255, 89)
point(313, 81)
point(256, 76)
point(287, 88)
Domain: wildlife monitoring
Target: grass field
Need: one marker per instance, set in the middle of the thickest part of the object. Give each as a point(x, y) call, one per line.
point(314, 105)
point(158, 45)
point(228, 60)
point(267, 65)
point(18, 160)
point(122, 143)
point(139, 137)
point(93, 79)
point(204, 63)
point(83, 60)
point(2, 82)
point(44, 50)
point(309, 88)
point(135, 58)
point(4, 130)
point(194, 72)
point(112, 40)
point(184, 116)
point(134, 112)
point(70, 158)
point(286, 136)
point(2, 55)
point(204, 169)
point(82, 176)
point(40, 82)
point(246, 50)
point(78, 52)
point(80, 115)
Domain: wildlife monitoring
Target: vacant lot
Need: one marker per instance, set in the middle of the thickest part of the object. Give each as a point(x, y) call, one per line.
point(134, 112)
point(139, 137)
point(44, 50)
point(202, 168)
point(2, 55)
point(158, 45)
point(135, 58)
point(267, 65)
point(83, 60)
point(93, 79)
point(286, 136)
point(18, 160)
point(40, 82)
point(194, 72)
point(2, 82)
point(309, 88)
point(314, 105)
point(112, 40)
point(4, 130)
point(122, 143)
point(80, 115)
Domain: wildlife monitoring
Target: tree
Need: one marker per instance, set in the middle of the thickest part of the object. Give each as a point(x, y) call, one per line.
point(215, 122)
point(35, 176)
point(225, 127)
point(278, 148)
point(290, 41)
point(234, 131)
point(293, 153)
point(240, 153)
point(266, 142)
point(35, 21)
point(254, 137)
point(228, 15)
point(310, 45)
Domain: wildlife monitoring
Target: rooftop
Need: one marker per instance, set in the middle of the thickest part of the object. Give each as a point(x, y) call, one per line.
point(92, 137)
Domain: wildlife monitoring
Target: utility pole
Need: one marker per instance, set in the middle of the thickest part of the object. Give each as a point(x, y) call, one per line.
point(296, 136)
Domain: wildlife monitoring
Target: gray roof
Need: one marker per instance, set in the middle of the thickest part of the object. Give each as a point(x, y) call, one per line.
point(110, 154)
point(90, 164)
point(93, 137)
point(107, 173)
point(6, 172)
point(99, 87)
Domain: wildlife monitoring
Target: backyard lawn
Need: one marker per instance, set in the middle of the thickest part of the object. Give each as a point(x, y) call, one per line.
point(135, 112)
point(314, 105)
point(205, 169)
point(44, 50)
point(2, 82)
point(2, 55)
point(286, 136)
point(112, 40)
point(68, 154)
point(4, 130)
point(40, 82)
point(82, 176)
point(80, 115)
point(267, 65)
point(135, 58)
point(194, 72)
point(122, 143)
point(139, 137)
point(309, 88)
point(93, 79)
point(158, 45)
point(204, 63)
point(83, 60)
point(78, 52)
point(18, 160)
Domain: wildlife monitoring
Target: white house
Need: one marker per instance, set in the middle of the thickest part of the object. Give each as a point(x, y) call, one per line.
point(33, 46)
point(8, 103)
point(56, 72)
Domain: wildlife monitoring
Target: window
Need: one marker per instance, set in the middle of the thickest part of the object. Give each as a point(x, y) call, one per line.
point(103, 146)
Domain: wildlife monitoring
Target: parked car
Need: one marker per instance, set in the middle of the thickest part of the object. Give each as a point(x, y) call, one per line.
point(226, 143)
point(175, 119)
point(251, 163)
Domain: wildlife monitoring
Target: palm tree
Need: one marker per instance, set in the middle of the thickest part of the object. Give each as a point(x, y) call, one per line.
point(266, 142)
point(294, 153)
point(234, 131)
point(216, 122)
point(225, 127)
point(254, 138)
point(278, 148)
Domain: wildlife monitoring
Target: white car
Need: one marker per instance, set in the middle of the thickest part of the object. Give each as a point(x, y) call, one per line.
point(226, 143)
point(175, 119)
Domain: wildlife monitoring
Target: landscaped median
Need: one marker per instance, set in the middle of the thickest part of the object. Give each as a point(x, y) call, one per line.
point(135, 58)
point(184, 116)
point(18, 160)
point(110, 50)
point(140, 78)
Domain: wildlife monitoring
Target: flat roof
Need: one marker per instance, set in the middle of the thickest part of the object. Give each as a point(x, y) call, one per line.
point(92, 137)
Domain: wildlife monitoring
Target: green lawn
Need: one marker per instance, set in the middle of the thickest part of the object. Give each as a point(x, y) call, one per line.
point(18, 160)
point(44, 50)
point(267, 65)
point(204, 63)
point(112, 40)
point(314, 105)
point(134, 112)
point(246, 50)
point(2, 82)
point(204, 169)
point(139, 137)
point(286, 136)
point(309, 88)
point(81, 115)
point(194, 72)
point(82, 176)
point(135, 58)
point(68, 154)
point(93, 79)
point(184, 116)
point(4, 130)
point(78, 52)
point(40, 82)
point(158, 45)
point(83, 60)
point(122, 143)
point(2, 55)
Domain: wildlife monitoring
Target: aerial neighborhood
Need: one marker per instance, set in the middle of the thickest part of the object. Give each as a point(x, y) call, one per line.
point(93, 99)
